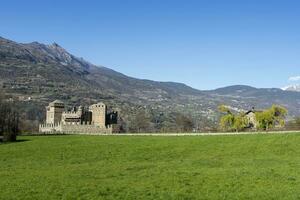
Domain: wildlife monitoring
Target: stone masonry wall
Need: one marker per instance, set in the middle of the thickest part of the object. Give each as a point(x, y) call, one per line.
point(50, 128)
point(85, 129)
point(75, 129)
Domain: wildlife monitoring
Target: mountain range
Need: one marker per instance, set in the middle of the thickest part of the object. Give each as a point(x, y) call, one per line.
point(36, 73)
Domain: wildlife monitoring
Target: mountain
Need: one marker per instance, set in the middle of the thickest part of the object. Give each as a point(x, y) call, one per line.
point(37, 73)
point(51, 64)
point(295, 88)
point(244, 96)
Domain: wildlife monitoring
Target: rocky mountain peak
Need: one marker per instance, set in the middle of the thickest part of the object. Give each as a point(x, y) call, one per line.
point(60, 54)
point(54, 45)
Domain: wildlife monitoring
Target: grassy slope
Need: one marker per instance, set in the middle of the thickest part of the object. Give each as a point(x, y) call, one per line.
point(204, 167)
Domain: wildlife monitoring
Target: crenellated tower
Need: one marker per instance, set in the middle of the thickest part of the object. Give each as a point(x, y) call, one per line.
point(54, 112)
point(98, 114)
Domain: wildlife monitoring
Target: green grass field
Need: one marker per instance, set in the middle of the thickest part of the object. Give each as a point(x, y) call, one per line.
point(141, 167)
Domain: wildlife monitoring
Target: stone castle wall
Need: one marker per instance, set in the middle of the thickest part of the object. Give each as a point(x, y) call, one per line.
point(75, 129)
point(85, 129)
point(50, 128)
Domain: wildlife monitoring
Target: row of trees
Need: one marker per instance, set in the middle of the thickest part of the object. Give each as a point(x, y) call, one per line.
point(261, 120)
point(142, 122)
point(9, 119)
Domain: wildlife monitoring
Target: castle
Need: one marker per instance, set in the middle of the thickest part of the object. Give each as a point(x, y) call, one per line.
point(80, 120)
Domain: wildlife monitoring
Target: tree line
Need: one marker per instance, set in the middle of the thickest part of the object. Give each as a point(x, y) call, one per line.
point(143, 122)
point(265, 120)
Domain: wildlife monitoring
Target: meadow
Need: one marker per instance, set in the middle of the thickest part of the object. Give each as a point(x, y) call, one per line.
point(147, 167)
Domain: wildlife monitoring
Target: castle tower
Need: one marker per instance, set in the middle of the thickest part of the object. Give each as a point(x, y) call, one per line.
point(54, 112)
point(98, 114)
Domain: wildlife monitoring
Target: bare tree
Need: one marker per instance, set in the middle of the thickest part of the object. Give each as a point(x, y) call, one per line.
point(9, 119)
point(140, 123)
point(184, 123)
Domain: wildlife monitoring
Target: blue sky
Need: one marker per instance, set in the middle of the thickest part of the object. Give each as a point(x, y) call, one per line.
point(205, 44)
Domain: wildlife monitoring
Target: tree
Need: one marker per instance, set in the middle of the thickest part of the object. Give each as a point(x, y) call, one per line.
point(224, 109)
point(227, 122)
point(9, 120)
point(240, 122)
point(279, 113)
point(183, 123)
point(140, 122)
point(232, 122)
point(159, 121)
point(274, 116)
